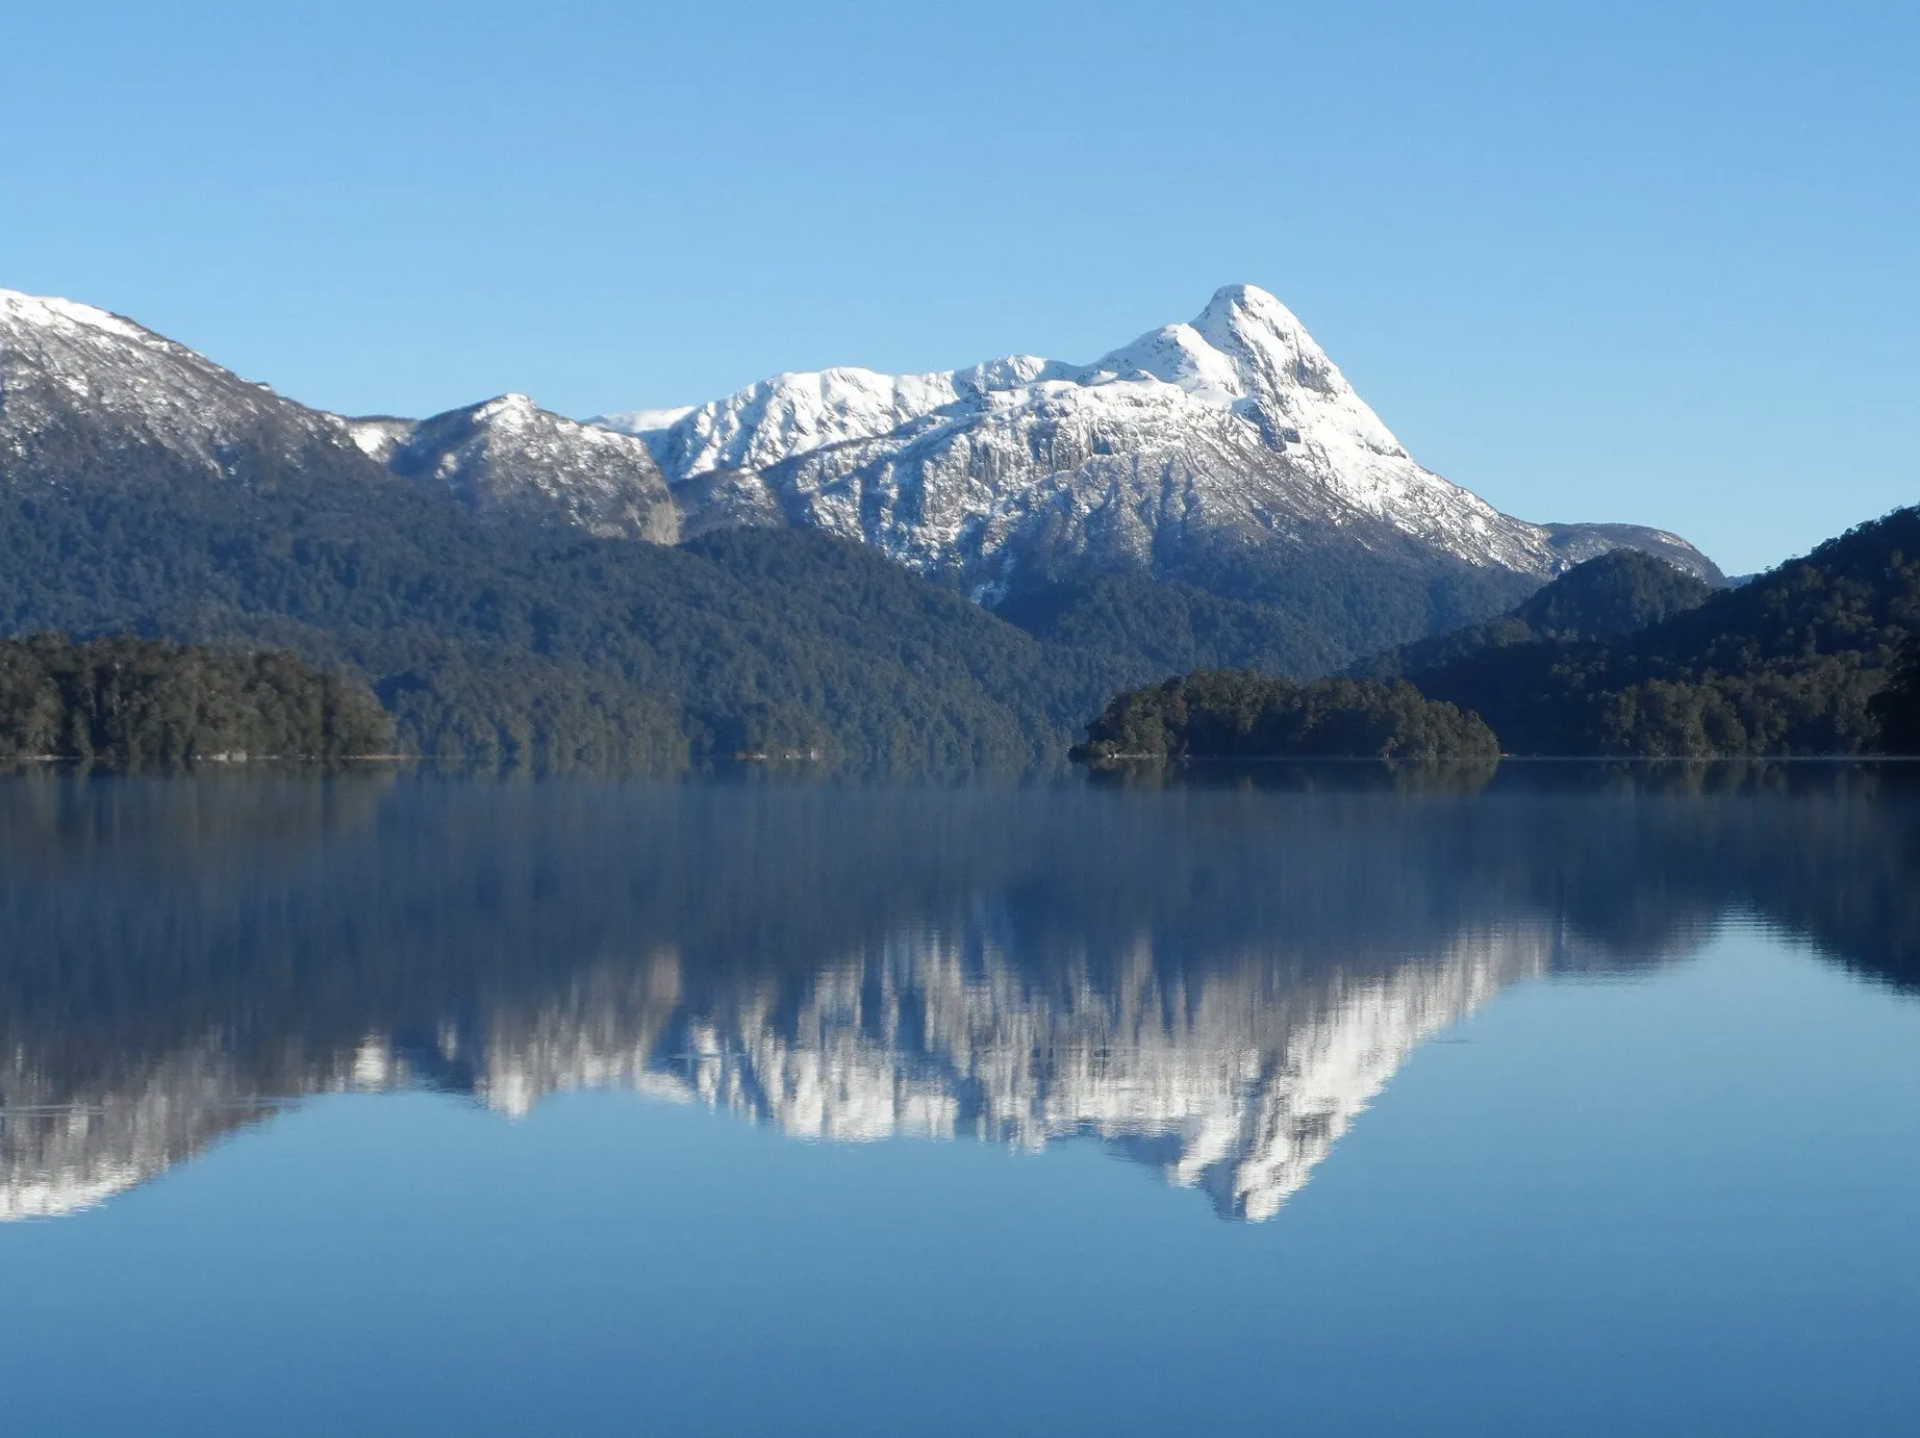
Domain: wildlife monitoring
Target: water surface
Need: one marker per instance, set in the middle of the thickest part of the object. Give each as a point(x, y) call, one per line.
point(1571, 1099)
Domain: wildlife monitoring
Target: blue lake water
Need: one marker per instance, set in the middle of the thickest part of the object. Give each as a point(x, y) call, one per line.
point(1566, 1100)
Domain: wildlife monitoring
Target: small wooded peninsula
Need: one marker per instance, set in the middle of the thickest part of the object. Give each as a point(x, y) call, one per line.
point(150, 703)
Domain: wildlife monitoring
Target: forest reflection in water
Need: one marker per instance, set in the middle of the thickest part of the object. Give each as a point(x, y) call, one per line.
point(1212, 976)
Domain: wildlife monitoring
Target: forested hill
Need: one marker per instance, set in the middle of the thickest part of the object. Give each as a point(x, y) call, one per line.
point(139, 703)
point(1603, 598)
point(1789, 663)
point(1302, 611)
point(561, 650)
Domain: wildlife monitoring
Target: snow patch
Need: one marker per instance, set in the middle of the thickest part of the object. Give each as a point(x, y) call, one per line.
point(36, 310)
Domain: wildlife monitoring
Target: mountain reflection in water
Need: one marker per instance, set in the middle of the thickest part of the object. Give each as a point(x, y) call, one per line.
point(1214, 980)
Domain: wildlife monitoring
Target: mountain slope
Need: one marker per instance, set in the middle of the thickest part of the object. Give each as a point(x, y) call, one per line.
point(510, 457)
point(1231, 432)
point(1788, 663)
point(72, 375)
point(1598, 599)
point(79, 385)
point(572, 650)
point(145, 489)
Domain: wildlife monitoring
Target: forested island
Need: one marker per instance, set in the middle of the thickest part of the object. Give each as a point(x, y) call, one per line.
point(1237, 714)
point(144, 703)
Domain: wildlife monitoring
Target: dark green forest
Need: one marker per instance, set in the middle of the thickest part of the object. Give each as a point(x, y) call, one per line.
point(1121, 621)
point(558, 649)
point(1896, 709)
point(1623, 655)
point(1305, 609)
point(1787, 664)
point(1603, 598)
point(137, 703)
point(1237, 714)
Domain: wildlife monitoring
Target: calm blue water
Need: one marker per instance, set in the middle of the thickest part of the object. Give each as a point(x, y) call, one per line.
point(1574, 1101)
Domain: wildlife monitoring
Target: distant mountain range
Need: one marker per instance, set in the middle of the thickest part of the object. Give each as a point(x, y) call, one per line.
point(483, 570)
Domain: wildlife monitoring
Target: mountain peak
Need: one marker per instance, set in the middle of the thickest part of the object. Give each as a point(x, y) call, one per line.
point(1244, 313)
point(1251, 300)
point(507, 455)
point(513, 406)
point(46, 311)
point(1268, 345)
point(1244, 347)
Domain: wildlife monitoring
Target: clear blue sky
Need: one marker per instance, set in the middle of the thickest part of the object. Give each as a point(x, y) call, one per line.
point(1641, 262)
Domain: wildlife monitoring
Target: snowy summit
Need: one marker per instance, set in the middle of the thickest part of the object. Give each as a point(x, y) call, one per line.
point(1232, 428)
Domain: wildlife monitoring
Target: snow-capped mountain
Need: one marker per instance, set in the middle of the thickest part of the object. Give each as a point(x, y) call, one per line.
point(68, 369)
point(78, 380)
point(509, 456)
point(1233, 429)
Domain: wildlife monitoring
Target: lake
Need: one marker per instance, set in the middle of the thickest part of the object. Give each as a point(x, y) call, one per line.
point(1558, 1099)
